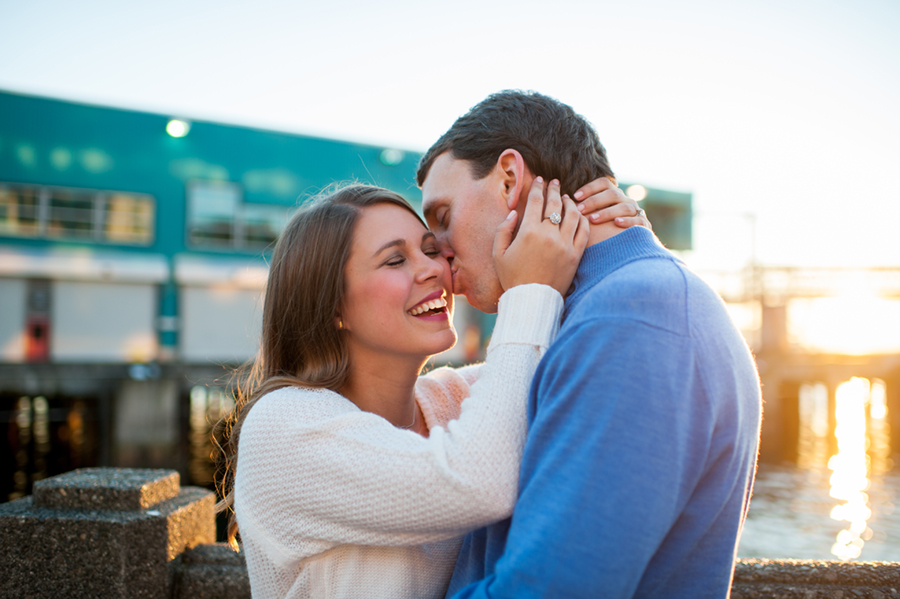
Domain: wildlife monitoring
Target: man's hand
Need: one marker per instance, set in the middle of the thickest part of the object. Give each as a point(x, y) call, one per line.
point(542, 252)
point(602, 201)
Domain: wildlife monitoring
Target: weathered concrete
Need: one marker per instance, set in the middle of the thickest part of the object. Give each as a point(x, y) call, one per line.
point(70, 552)
point(807, 579)
point(107, 489)
point(212, 571)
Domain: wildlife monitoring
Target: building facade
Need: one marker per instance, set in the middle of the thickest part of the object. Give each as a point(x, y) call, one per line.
point(132, 264)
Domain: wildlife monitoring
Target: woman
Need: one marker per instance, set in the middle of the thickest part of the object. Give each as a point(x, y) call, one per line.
point(356, 476)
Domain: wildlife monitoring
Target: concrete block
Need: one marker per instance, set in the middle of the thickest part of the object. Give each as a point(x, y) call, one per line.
point(212, 571)
point(57, 550)
point(107, 489)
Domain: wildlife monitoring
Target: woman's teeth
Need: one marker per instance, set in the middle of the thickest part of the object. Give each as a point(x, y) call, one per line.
point(430, 305)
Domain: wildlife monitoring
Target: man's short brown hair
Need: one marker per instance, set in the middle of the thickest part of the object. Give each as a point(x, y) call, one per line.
point(554, 140)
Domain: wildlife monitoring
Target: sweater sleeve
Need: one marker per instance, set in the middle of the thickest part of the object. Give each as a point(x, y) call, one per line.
point(314, 471)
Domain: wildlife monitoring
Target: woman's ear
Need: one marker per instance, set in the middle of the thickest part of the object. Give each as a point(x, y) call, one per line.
point(338, 323)
point(512, 172)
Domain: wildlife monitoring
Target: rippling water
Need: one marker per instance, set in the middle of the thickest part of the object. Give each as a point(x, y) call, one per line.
point(790, 516)
point(838, 501)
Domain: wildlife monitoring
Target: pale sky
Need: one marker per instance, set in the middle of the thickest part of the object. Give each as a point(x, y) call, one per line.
point(784, 111)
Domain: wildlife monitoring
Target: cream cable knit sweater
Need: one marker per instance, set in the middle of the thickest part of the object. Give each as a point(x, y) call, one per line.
point(332, 501)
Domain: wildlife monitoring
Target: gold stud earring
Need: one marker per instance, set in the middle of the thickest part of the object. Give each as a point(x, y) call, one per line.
point(340, 324)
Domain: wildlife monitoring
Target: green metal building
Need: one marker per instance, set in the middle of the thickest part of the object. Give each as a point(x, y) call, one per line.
point(132, 263)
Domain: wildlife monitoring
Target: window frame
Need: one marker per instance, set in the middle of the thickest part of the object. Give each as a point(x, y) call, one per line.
point(99, 214)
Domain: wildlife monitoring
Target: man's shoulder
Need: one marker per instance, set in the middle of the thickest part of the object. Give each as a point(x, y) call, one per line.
point(649, 290)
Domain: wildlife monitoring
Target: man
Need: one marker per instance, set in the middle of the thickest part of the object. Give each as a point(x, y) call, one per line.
point(643, 415)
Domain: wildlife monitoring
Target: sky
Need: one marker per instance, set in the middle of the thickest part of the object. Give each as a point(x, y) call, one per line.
point(781, 118)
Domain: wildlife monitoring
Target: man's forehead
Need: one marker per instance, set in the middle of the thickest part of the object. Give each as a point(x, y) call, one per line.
point(445, 177)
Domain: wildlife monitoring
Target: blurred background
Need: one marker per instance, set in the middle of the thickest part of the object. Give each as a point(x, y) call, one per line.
point(150, 154)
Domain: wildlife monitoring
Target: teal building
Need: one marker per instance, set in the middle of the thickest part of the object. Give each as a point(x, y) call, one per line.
point(132, 264)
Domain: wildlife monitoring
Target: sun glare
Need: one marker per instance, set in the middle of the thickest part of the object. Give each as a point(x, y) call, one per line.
point(850, 468)
point(852, 324)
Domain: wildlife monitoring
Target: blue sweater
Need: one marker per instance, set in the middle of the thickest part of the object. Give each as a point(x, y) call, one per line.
point(644, 423)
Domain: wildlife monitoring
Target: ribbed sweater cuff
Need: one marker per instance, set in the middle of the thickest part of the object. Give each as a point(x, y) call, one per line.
point(527, 314)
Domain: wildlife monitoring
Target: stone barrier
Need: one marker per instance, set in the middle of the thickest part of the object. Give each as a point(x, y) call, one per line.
point(809, 579)
point(102, 532)
point(212, 571)
point(129, 533)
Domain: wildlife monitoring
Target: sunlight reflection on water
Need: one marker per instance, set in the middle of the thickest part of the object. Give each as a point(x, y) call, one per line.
point(849, 468)
point(793, 513)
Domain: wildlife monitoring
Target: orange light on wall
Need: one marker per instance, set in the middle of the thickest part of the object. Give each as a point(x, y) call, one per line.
point(37, 338)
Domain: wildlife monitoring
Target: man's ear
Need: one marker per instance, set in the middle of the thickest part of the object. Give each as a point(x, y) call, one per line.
point(513, 171)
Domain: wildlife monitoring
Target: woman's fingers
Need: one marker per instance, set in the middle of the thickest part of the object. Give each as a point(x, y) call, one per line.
point(534, 206)
point(504, 234)
point(554, 202)
point(544, 250)
point(604, 215)
point(571, 219)
point(582, 234)
point(633, 221)
point(610, 204)
point(594, 187)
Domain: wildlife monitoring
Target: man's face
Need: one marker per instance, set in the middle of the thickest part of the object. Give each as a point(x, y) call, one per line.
point(464, 214)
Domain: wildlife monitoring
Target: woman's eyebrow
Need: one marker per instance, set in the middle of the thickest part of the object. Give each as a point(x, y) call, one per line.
point(395, 242)
point(388, 245)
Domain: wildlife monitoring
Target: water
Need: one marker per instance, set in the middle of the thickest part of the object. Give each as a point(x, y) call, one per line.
point(838, 501)
point(790, 517)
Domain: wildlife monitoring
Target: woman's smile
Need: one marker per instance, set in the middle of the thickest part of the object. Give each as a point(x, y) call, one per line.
point(433, 306)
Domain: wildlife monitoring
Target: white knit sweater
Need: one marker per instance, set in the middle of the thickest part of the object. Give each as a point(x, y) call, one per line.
point(332, 501)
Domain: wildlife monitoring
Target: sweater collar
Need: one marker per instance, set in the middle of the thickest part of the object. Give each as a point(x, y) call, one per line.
point(606, 257)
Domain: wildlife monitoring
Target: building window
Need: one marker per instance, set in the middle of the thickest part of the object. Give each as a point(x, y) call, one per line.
point(212, 207)
point(76, 214)
point(262, 224)
point(19, 212)
point(129, 219)
point(71, 215)
point(218, 218)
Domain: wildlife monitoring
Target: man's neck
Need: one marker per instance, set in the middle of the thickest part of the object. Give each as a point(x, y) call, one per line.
point(602, 232)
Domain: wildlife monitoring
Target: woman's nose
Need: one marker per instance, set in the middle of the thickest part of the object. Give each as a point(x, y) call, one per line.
point(432, 267)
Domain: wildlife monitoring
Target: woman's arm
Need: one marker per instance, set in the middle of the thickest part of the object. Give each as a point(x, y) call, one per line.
point(315, 471)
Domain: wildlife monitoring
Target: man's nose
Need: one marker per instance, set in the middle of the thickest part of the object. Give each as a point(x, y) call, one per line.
point(445, 249)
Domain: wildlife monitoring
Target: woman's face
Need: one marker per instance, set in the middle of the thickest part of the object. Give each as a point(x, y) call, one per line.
point(398, 296)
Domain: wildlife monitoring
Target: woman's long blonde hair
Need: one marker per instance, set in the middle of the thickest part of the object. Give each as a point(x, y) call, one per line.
point(300, 344)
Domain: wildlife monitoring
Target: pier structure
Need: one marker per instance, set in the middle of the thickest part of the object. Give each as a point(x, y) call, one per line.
point(784, 365)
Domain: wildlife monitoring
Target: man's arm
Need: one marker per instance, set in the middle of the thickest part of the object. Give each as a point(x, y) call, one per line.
point(608, 464)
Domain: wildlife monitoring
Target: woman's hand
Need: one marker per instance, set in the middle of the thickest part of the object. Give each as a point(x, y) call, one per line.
point(542, 252)
point(601, 201)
